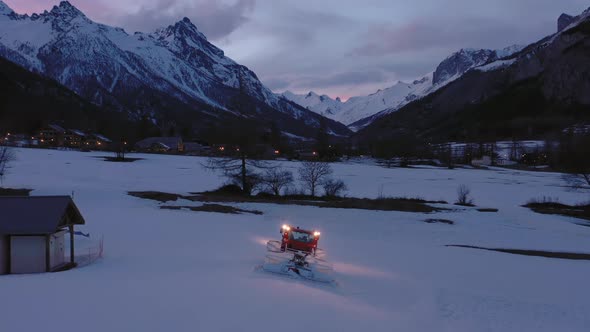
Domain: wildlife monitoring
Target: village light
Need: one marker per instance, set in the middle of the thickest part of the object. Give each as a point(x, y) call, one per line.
point(277, 152)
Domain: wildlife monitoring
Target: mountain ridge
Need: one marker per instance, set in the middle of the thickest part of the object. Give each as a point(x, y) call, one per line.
point(146, 73)
point(539, 90)
point(360, 111)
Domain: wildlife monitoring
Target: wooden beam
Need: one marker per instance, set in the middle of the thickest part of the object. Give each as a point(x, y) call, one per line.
point(72, 261)
point(47, 254)
point(9, 238)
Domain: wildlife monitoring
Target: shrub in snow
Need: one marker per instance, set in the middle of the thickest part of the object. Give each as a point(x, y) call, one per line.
point(333, 187)
point(275, 180)
point(6, 157)
point(464, 196)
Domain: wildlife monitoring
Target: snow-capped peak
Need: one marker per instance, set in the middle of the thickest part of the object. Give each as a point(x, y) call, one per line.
point(181, 29)
point(357, 108)
point(66, 10)
point(4, 9)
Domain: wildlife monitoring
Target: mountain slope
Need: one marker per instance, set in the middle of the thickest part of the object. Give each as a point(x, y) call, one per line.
point(358, 112)
point(147, 73)
point(28, 100)
point(543, 88)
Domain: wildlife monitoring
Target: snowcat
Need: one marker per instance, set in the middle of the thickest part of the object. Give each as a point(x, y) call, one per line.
point(299, 239)
point(297, 255)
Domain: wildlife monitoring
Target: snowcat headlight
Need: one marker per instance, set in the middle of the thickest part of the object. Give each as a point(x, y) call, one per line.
point(316, 234)
point(286, 228)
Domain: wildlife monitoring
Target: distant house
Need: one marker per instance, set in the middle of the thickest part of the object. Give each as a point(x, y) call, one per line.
point(33, 232)
point(161, 145)
point(15, 139)
point(52, 135)
point(74, 138)
point(97, 142)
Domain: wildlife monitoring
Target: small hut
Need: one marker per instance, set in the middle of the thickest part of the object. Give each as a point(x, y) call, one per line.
point(33, 233)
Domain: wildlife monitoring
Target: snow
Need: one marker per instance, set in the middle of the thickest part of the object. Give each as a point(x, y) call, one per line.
point(509, 51)
point(187, 271)
point(25, 37)
point(500, 64)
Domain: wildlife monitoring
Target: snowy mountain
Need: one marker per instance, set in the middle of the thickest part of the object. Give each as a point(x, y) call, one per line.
point(323, 104)
point(358, 112)
point(464, 60)
point(357, 108)
point(147, 73)
point(532, 91)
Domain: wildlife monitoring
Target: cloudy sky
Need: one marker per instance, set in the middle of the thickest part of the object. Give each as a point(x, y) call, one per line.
point(337, 47)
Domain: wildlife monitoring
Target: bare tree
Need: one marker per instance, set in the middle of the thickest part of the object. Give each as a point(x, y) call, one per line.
point(6, 157)
point(120, 149)
point(333, 187)
point(241, 161)
point(276, 179)
point(239, 170)
point(312, 173)
point(464, 195)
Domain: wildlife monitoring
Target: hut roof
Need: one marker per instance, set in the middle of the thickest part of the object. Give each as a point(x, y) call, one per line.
point(37, 214)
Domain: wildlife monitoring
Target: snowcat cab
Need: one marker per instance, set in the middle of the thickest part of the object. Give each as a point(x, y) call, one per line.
point(298, 239)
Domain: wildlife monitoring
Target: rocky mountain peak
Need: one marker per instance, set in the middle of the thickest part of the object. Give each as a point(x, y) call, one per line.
point(66, 10)
point(182, 31)
point(186, 28)
point(460, 62)
point(564, 21)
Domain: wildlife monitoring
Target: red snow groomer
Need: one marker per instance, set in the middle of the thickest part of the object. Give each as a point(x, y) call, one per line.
point(298, 239)
point(298, 255)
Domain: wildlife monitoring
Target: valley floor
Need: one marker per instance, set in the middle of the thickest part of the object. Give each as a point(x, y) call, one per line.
point(177, 270)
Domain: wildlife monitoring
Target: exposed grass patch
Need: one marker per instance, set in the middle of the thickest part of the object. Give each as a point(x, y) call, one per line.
point(439, 221)
point(465, 204)
point(155, 196)
point(120, 160)
point(213, 208)
point(15, 192)
point(488, 210)
point(380, 204)
point(552, 206)
point(536, 253)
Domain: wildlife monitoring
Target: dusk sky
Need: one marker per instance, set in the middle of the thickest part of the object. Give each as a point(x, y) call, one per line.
point(337, 47)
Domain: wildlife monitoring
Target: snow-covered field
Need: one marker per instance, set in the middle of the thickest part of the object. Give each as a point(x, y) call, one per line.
point(190, 271)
